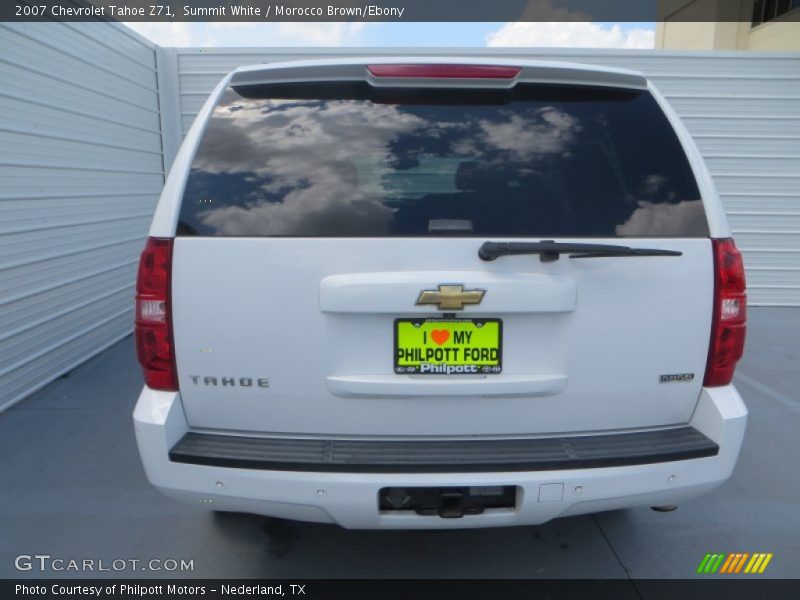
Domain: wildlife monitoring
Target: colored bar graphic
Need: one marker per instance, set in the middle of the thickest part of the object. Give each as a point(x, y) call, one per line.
point(727, 564)
point(749, 567)
point(730, 562)
point(765, 563)
point(702, 566)
point(734, 562)
point(736, 558)
point(740, 564)
point(757, 564)
point(717, 563)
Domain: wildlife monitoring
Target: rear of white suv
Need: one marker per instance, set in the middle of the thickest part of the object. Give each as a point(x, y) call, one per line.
point(442, 294)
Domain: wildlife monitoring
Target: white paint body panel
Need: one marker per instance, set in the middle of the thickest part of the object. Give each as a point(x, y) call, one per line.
point(350, 500)
point(483, 386)
point(588, 339)
point(389, 292)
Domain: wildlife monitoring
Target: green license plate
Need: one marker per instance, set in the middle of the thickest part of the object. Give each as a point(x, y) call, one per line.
point(448, 346)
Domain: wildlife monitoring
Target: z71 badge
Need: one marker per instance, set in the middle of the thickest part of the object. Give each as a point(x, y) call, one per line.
point(676, 377)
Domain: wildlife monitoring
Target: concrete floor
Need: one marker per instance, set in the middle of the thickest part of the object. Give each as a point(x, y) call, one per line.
point(73, 487)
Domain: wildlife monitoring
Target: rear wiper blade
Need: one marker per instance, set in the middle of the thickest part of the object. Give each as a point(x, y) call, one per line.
point(550, 250)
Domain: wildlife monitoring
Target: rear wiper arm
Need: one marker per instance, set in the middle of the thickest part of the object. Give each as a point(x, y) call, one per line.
point(549, 250)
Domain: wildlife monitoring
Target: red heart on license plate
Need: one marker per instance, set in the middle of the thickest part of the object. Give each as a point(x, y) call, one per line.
point(440, 336)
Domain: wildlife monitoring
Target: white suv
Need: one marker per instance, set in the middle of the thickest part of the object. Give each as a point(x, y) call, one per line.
point(423, 293)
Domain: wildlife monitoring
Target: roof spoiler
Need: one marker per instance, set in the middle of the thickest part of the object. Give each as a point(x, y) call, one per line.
point(364, 69)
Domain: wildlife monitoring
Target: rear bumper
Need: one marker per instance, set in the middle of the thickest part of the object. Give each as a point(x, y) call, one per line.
point(443, 456)
point(349, 496)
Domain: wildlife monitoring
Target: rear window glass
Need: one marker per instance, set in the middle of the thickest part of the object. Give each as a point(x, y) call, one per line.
point(348, 159)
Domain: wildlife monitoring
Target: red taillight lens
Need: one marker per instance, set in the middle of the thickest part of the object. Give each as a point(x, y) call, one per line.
point(730, 314)
point(153, 329)
point(444, 71)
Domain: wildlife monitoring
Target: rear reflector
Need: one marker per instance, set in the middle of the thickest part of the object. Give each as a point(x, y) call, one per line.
point(730, 314)
point(153, 330)
point(444, 71)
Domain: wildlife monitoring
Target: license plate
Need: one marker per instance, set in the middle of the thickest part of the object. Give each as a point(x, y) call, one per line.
point(448, 346)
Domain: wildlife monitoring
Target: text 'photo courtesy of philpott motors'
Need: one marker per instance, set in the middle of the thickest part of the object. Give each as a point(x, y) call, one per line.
point(448, 347)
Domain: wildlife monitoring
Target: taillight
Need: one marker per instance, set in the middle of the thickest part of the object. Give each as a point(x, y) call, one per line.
point(444, 71)
point(153, 329)
point(730, 314)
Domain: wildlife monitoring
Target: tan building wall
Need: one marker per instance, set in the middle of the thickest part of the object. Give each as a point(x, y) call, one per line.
point(679, 32)
point(775, 35)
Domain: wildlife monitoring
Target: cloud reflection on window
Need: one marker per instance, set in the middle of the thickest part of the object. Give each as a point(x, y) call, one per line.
point(355, 167)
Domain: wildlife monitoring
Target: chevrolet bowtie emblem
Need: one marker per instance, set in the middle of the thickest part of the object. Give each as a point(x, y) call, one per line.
point(450, 297)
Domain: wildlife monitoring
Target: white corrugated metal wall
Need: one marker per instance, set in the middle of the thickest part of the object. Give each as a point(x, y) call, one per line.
point(742, 108)
point(81, 168)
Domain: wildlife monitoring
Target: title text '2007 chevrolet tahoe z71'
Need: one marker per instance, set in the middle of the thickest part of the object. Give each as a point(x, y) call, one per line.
point(412, 293)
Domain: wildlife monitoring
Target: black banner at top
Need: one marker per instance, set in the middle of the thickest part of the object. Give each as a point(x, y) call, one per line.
point(396, 10)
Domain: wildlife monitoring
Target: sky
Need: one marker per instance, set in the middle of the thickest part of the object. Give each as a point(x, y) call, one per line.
point(575, 34)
